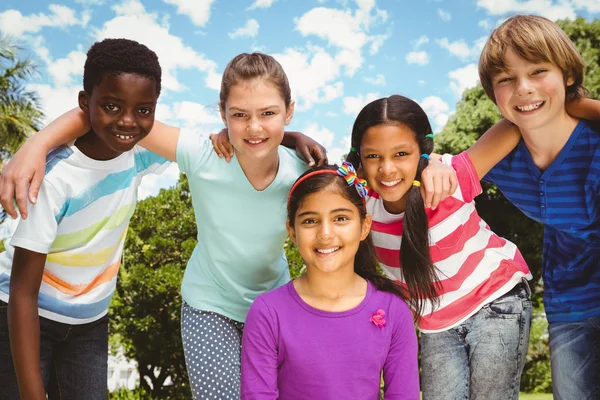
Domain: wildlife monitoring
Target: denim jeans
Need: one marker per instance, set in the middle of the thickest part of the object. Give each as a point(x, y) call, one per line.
point(73, 361)
point(483, 357)
point(575, 358)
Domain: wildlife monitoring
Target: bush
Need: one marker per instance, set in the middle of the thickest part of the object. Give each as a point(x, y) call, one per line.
point(536, 376)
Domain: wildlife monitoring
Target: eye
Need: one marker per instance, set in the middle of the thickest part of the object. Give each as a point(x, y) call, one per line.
point(111, 107)
point(539, 71)
point(371, 156)
point(309, 221)
point(504, 80)
point(342, 218)
point(401, 154)
point(239, 115)
point(145, 111)
point(268, 113)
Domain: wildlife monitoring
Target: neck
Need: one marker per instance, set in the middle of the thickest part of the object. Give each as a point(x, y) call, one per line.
point(93, 147)
point(261, 173)
point(545, 143)
point(330, 285)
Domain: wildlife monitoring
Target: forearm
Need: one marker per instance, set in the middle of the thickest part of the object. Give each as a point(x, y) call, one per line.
point(493, 146)
point(162, 140)
point(289, 139)
point(64, 129)
point(24, 331)
point(584, 108)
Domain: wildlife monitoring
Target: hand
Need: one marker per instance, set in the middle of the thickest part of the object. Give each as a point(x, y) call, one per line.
point(222, 145)
point(24, 171)
point(438, 181)
point(311, 151)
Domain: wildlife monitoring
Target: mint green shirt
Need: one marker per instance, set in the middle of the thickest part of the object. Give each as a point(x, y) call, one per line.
point(241, 231)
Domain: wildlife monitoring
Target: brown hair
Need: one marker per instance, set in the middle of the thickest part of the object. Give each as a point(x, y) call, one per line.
point(534, 39)
point(247, 67)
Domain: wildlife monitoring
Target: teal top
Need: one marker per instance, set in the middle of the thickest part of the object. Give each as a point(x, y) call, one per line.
point(241, 231)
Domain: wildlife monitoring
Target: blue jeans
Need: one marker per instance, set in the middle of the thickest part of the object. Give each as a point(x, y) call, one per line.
point(483, 357)
point(74, 359)
point(575, 358)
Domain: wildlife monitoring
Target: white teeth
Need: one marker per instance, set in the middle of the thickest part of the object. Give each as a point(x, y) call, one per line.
point(391, 183)
point(256, 141)
point(327, 251)
point(123, 137)
point(530, 107)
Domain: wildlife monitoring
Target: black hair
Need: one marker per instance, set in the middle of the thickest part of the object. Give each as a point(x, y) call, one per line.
point(418, 271)
point(365, 262)
point(119, 56)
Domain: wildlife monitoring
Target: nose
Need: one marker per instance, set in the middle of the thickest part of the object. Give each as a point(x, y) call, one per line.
point(254, 126)
point(387, 167)
point(127, 120)
point(524, 87)
point(325, 232)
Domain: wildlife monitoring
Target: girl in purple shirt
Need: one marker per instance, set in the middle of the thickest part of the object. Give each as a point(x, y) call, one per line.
point(331, 332)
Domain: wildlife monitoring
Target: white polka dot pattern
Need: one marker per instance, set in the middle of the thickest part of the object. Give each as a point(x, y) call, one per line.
point(212, 347)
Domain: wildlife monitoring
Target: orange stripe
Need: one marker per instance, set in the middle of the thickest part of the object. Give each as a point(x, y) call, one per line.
point(77, 290)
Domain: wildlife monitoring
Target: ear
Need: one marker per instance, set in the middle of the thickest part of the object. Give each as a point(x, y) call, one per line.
point(291, 231)
point(223, 117)
point(84, 102)
point(570, 81)
point(289, 112)
point(366, 227)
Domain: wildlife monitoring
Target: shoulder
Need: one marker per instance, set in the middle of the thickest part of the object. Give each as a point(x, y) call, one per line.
point(397, 309)
point(291, 163)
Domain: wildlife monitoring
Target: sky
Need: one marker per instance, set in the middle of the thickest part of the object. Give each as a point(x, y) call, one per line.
point(338, 54)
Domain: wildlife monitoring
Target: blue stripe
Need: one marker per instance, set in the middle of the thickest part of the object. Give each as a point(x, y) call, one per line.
point(144, 159)
point(48, 303)
point(55, 156)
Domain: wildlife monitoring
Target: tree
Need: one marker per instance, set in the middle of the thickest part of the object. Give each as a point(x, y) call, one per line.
point(145, 310)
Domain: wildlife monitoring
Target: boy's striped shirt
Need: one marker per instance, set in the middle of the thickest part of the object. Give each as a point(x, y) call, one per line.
point(475, 266)
point(566, 199)
point(80, 221)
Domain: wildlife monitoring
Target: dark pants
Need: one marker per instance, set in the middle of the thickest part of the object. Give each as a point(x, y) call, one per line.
point(73, 359)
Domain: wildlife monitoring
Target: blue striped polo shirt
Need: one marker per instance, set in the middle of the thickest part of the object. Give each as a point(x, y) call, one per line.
point(566, 199)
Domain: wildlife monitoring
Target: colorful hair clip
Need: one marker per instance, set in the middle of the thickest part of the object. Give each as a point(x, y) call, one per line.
point(430, 136)
point(417, 183)
point(347, 171)
point(425, 156)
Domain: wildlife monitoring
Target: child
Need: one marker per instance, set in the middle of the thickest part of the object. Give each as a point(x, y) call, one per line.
point(65, 257)
point(330, 333)
point(529, 68)
point(240, 215)
point(466, 285)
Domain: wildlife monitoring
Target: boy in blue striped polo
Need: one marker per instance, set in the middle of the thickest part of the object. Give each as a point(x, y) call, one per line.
point(530, 68)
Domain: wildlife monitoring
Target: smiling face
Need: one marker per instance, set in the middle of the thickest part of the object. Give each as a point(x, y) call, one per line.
point(389, 157)
point(121, 113)
point(530, 95)
point(328, 229)
point(255, 115)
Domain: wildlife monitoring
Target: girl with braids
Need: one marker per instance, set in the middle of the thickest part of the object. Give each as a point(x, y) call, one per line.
point(329, 333)
point(467, 286)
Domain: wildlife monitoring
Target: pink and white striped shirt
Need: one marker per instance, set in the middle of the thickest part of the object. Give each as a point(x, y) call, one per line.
point(474, 265)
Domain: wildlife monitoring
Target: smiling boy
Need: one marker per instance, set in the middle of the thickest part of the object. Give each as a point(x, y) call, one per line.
point(529, 68)
point(60, 270)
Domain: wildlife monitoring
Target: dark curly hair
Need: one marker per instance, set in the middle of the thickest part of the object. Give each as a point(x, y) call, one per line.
point(119, 56)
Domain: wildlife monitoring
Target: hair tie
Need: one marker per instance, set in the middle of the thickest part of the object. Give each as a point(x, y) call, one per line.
point(417, 183)
point(425, 156)
point(430, 135)
point(352, 149)
point(347, 171)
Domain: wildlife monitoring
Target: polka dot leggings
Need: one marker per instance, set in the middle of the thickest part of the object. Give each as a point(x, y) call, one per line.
point(212, 348)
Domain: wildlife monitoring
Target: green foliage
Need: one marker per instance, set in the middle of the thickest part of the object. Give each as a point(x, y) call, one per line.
point(294, 258)
point(2, 248)
point(145, 310)
point(536, 376)
point(125, 394)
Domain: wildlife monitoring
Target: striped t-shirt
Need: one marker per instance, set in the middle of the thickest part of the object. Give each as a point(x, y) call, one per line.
point(80, 221)
point(474, 265)
point(566, 199)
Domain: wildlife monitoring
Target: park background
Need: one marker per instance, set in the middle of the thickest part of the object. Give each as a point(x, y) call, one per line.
point(339, 55)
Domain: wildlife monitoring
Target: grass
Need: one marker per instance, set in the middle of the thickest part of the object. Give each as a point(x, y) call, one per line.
point(529, 396)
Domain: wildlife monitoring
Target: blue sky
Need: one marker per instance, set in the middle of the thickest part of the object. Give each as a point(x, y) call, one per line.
point(338, 54)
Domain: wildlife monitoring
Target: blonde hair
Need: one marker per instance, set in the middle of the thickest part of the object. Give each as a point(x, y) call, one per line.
point(534, 39)
point(247, 67)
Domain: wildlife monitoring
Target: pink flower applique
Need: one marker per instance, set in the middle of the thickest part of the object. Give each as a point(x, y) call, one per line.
point(378, 318)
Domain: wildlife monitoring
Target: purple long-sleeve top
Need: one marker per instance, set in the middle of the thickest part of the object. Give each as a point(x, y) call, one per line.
point(291, 350)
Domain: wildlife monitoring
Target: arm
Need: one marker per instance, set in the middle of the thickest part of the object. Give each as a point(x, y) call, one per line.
point(584, 109)
point(493, 146)
point(24, 323)
point(28, 165)
point(162, 140)
point(401, 369)
point(309, 149)
point(259, 355)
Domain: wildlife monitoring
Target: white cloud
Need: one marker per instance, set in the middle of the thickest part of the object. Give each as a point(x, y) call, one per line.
point(197, 10)
point(313, 75)
point(133, 22)
point(151, 184)
point(417, 57)
point(335, 154)
point(444, 15)
point(346, 30)
point(261, 4)
point(437, 110)
point(547, 8)
point(90, 2)
point(248, 30)
point(421, 41)
point(379, 80)
point(64, 70)
point(421, 82)
point(13, 23)
point(55, 100)
point(592, 6)
point(461, 49)
point(353, 105)
point(191, 115)
point(463, 78)
point(320, 134)
point(485, 24)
